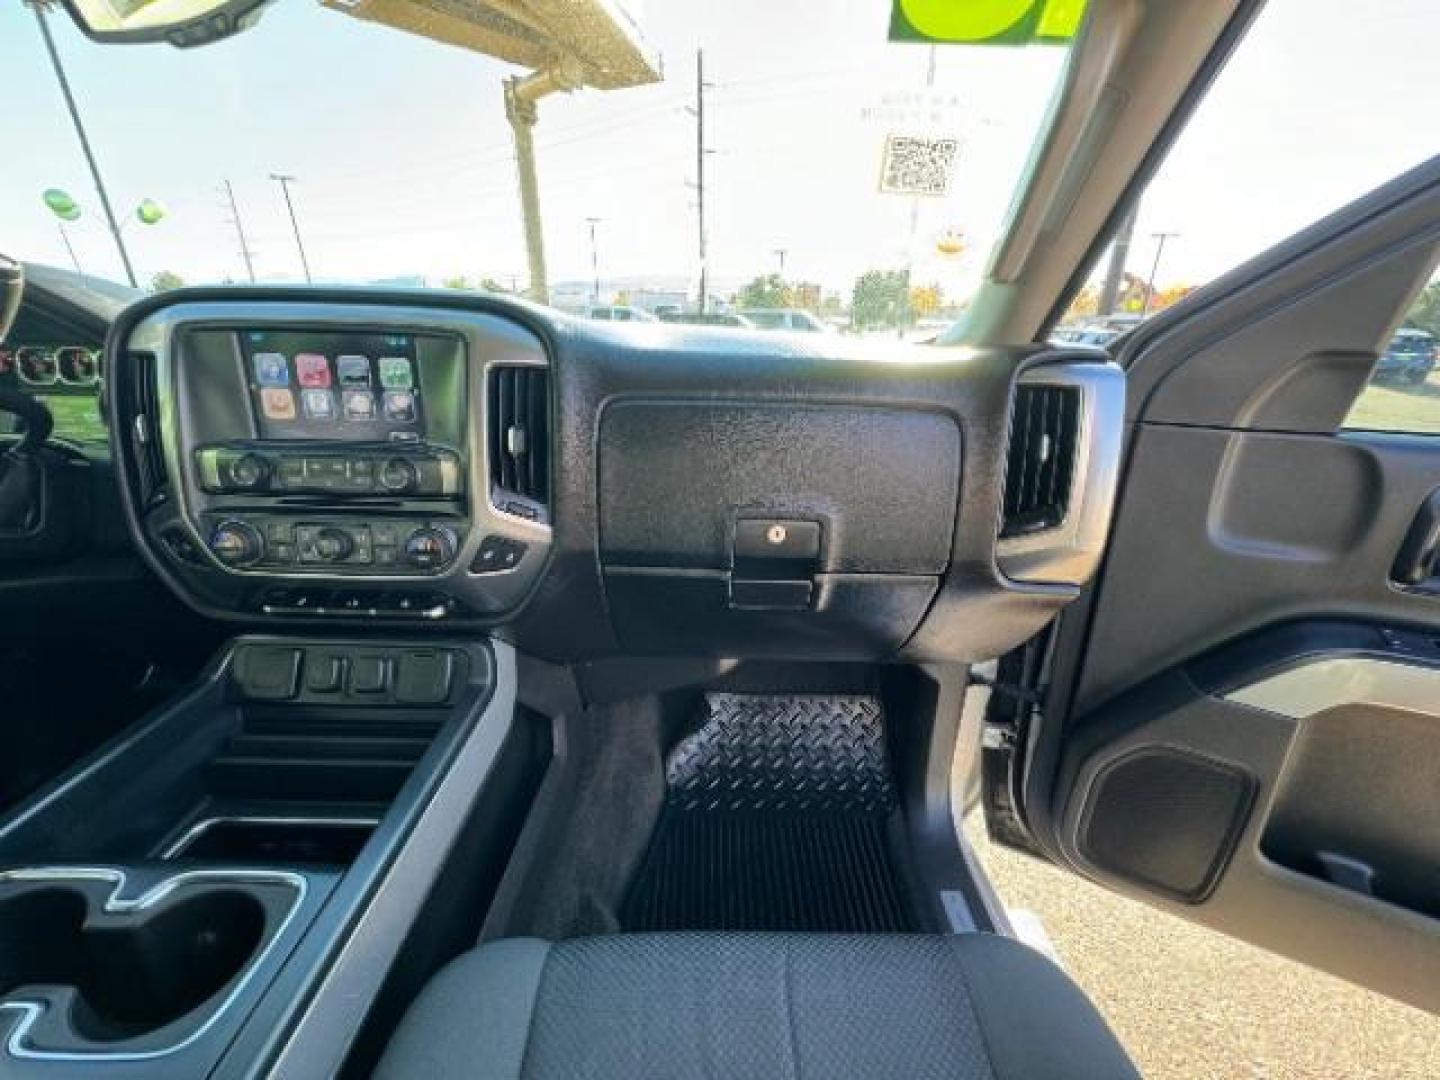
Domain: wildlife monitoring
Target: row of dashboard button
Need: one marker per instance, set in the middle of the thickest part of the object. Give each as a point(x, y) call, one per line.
point(358, 603)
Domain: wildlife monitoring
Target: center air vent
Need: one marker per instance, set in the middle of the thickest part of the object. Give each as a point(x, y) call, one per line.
point(1044, 428)
point(143, 409)
point(519, 440)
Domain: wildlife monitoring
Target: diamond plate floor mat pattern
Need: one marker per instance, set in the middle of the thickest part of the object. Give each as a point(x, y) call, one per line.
point(780, 814)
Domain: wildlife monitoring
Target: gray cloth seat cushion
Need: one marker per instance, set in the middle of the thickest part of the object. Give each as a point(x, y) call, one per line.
point(693, 1006)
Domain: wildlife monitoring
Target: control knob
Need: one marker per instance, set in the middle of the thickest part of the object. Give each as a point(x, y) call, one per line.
point(237, 543)
point(334, 545)
point(250, 472)
point(399, 475)
point(429, 547)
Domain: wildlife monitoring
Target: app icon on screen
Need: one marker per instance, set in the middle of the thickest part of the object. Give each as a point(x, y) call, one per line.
point(399, 406)
point(312, 370)
point(353, 371)
point(318, 404)
point(271, 369)
point(395, 373)
point(277, 404)
point(359, 405)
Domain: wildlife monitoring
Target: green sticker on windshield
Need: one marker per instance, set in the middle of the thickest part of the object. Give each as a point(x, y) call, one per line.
point(986, 22)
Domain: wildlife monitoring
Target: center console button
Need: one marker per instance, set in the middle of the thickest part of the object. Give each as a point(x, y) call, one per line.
point(324, 672)
point(334, 545)
point(369, 674)
point(497, 553)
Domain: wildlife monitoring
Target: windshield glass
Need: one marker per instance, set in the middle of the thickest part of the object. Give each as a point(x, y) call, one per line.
point(860, 179)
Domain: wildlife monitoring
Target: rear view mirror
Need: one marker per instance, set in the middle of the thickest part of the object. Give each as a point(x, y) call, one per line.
point(183, 23)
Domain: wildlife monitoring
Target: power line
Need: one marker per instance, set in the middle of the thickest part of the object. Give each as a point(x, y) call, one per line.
point(240, 232)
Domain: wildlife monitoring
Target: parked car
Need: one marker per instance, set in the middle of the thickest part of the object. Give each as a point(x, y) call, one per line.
point(785, 319)
point(1408, 359)
point(621, 313)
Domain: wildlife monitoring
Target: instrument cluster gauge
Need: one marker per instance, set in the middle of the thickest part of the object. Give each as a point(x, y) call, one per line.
point(78, 366)
point(36, 366)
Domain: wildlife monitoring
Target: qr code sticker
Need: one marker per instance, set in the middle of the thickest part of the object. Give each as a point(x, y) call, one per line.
point(915, 165)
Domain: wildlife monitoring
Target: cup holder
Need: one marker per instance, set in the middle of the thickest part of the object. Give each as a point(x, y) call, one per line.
point(128, 969)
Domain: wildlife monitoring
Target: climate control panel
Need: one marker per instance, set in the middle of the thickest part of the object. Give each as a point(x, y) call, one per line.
point(333, 546)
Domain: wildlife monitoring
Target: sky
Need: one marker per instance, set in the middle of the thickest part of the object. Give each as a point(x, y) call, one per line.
point(404, 164)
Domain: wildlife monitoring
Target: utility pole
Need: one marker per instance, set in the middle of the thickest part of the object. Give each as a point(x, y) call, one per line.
point(1160, 238)
point(700, 152)
point(240, 232)
point(780, 254)
point(594, 260)
point(84, 145)
point(285, 180)
point(1115, 272)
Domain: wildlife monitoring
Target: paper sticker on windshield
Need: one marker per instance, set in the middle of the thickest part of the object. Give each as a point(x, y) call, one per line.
point(918, 165)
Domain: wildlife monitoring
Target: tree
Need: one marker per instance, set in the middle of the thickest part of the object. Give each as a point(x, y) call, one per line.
point(925, 300)
point(766, 291)
point(459, 281)
point(880, 297)
point(1424, 314)
point(1086, 305)
point(166, 280)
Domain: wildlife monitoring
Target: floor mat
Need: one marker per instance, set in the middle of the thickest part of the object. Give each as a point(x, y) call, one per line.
point(780, 814)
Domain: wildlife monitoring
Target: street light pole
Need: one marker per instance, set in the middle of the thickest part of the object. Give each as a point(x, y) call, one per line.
point(594, 260)
point(780, 254)
point(84, 146)
point(1160, 238)
point(285, 180)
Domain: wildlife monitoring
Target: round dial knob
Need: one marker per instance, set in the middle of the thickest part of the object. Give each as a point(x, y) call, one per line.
point(429, 547)
point(236, 543)
point(250, 471)
point(334, 545)
point(397, 474)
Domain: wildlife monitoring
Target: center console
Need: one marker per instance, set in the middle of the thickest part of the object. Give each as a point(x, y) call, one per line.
point(328, 461)
point(169, 907)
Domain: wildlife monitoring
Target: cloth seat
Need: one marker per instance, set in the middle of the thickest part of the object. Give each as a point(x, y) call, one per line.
point(697, 1006)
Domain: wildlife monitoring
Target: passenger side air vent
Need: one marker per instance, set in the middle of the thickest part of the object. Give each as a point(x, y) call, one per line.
point(519, 440)
point(144, 419)
point(1044, 428)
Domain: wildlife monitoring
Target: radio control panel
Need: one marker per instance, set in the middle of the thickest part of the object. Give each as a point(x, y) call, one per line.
point(265, 469)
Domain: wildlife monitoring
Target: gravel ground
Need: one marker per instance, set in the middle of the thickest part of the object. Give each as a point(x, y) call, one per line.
point(1190, 1003)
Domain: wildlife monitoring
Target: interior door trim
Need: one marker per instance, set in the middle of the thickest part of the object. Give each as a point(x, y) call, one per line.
point(1325, 683)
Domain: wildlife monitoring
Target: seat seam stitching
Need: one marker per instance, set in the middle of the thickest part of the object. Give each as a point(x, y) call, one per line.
point(952, 946)
point(534, 1008)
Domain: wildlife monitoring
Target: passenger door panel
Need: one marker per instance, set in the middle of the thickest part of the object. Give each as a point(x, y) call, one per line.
point(1243, 718)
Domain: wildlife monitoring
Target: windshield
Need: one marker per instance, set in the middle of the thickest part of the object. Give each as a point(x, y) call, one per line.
point(858, 178)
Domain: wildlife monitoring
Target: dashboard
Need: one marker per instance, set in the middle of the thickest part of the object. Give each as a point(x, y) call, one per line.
point(308, 456)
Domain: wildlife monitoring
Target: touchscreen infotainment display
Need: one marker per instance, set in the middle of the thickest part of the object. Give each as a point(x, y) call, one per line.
point(351, 387)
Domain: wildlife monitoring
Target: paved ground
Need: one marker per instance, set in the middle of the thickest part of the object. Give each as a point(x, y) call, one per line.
point(1189, 1003)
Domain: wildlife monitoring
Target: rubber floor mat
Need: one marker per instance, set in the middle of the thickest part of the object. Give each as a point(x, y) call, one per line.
point(780, 814)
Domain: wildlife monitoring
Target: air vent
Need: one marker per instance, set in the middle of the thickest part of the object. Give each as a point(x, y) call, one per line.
point(144, 419)
point(519, 431)
point(1043, 432)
